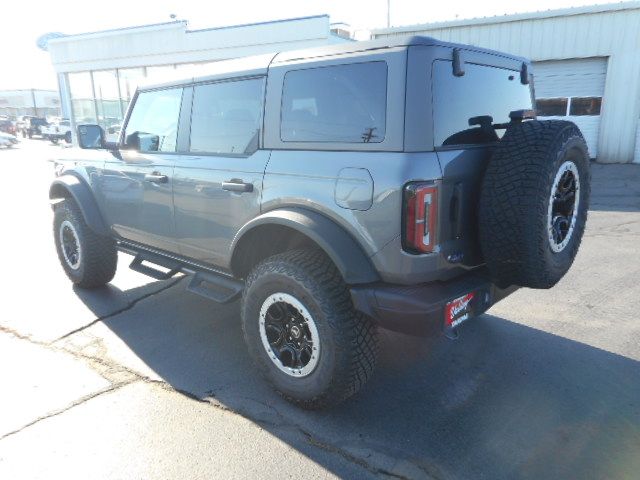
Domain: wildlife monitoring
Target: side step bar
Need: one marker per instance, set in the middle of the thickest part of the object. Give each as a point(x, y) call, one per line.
point(215, 287)
point(138, 266)
point(209, 284)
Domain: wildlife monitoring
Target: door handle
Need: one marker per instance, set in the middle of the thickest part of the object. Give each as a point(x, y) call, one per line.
point(236, 185)
point(156, 178)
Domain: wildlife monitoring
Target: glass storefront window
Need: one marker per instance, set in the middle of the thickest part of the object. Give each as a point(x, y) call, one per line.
point(82, 103)
point(105, 84)
point(190, 70)
point(129, 80)
point(165, 73)
point(103, 96)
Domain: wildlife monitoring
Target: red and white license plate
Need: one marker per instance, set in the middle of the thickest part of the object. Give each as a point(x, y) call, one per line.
point(458, 310)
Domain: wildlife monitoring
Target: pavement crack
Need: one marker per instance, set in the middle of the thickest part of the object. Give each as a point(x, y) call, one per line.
point(75, 403)
point(170, 388)
point(124, 376)
point(127, 307)
point(347, 456)
point(284, 423)
point(22, 336)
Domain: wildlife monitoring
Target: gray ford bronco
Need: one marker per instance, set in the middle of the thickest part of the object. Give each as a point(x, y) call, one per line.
point(402, 184)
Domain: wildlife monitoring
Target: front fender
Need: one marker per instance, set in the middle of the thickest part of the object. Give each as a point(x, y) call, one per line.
point(71, 186)
point(340, 246)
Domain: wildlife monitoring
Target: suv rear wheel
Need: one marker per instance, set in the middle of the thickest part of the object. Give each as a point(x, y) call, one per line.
point(89, 260)
point(302, 330)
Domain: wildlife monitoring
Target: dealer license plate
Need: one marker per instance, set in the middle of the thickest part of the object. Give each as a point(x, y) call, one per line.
point(458, 310)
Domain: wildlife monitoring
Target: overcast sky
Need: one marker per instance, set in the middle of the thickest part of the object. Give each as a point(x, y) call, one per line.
point(25, 66)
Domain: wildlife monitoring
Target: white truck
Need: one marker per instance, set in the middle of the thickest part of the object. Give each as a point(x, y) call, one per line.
point(57, 131)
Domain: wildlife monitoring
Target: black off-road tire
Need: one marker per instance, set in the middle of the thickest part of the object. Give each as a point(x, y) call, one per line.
point(67, 137)
point(99, 257)
point(514, 204)
point(348, 340)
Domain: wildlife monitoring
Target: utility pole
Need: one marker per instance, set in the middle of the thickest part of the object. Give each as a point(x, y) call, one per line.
point(388, 13)
point(35, 107)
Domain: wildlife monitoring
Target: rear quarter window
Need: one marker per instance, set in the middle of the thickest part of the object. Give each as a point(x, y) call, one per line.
point(340, 103)
point(483, 91)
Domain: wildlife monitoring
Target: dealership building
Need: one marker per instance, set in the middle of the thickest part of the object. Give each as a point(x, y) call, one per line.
point(586, 65)
point(98, 72)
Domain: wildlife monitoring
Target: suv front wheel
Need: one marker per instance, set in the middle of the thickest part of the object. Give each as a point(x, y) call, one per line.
point(302, 330)
point(89, 260)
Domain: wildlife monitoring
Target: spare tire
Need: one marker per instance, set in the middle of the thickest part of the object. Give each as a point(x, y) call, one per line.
point(534, 202)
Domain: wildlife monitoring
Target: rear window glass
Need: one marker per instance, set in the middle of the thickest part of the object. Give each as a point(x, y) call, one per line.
point(481, 92)
point(342, 103)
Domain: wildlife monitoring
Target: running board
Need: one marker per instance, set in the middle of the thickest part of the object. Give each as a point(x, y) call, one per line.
point(138, 266)
point(209, 284)
point(219, 288)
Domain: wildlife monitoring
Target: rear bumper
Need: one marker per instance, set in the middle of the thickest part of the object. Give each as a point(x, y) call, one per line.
point(420, 309)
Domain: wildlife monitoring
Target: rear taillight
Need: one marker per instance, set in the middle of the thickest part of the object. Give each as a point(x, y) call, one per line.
point(420, 211)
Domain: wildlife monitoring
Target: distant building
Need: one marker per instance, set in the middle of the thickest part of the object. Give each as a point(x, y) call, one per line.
point(98, 72)
point(586, 66)
point(40, 103)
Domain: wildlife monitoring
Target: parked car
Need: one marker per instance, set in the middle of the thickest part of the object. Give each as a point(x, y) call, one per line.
point(31, 126)
point(56, 131)
point(7, 126)
point(400, 183)
point(7, 140)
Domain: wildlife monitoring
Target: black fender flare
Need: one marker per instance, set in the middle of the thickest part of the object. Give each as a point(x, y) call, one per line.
point(71, 186)
point(347, 255)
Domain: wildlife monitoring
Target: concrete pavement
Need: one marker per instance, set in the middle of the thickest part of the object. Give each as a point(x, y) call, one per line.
point(142, 379)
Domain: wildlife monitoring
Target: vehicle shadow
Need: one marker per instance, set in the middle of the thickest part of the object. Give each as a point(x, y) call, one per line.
point(503, 401)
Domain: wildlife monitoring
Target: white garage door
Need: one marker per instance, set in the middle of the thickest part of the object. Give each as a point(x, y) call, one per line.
point(572, 90)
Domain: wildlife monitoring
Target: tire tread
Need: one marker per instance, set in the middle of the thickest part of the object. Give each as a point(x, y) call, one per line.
point(100, 255)
point(356, 336)
point(512, 211)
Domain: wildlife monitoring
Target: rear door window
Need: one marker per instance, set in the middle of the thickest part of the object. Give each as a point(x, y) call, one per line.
point(226, 117)
point(153, 124)
point(341, 104)
point(484, 93)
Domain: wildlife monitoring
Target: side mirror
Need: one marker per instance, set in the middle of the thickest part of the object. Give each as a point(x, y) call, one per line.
point(143, 142)
point(91, 136)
